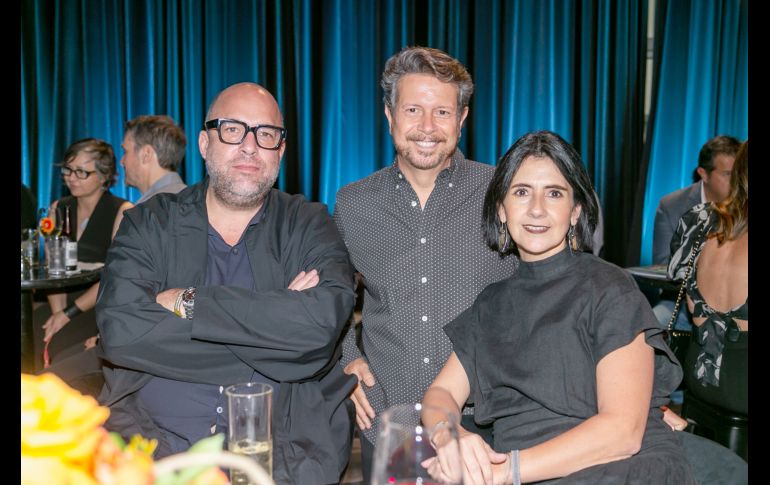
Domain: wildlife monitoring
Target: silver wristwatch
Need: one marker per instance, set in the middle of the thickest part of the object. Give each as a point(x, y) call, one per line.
point(188, 302)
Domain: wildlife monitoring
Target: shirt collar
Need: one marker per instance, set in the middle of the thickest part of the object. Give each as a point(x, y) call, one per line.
point(168, 179)
point(258, 217)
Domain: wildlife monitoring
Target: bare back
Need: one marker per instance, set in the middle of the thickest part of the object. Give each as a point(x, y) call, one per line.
point(723, 276)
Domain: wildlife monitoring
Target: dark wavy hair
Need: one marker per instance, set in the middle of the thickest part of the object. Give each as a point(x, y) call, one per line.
point(719, 145)
point(103, 157)
point(426, 60)
point(733, 212)
point(541, 144)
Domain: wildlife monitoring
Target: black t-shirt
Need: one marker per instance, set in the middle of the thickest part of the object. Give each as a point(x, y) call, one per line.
point(530, 345)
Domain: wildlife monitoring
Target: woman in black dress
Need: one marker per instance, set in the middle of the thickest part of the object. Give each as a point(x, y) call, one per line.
point(88, 170)
point(565, 358)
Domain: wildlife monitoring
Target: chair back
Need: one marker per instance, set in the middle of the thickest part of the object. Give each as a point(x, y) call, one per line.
point(726, 427)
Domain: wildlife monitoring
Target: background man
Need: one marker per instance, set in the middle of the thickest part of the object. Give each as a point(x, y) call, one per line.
point(231, 281)
point(715, 162)
point(413, 231)
point(153, 147)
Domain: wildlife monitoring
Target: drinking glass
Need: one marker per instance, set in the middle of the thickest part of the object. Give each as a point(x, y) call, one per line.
point(249, 430)
point(403, 445)
point(54, 253)
point(30, 246)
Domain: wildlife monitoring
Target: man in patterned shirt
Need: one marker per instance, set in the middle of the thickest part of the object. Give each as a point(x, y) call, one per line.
point(413, 231)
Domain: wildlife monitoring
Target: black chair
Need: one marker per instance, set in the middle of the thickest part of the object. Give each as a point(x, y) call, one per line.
point(725, 427)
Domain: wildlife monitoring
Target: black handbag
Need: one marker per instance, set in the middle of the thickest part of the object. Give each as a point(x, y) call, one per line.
point(679, 340)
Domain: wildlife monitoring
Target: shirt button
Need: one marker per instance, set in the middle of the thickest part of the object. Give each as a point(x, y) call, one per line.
point(400, 176)
point(424, 279)
point(414, 203)
point(398, 186)
point(426, 360)
point(422, 240)
point(425, 318)
point(219, 409)
point(220, 389)
point(450, 185)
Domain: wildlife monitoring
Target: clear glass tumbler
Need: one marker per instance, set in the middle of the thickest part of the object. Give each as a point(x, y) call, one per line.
point(249, 430)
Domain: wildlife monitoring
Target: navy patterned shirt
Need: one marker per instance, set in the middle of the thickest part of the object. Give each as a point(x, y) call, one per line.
point(421, 268)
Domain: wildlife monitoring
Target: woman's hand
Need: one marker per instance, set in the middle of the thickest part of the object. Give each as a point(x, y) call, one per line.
point(478, 459)
point(673, 420)
point(54, 323)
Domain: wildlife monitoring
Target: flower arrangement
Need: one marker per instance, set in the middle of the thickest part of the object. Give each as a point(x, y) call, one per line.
point(63, 442)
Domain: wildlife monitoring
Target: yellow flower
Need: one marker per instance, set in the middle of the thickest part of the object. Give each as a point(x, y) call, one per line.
point(60, 429)
point(52, 471)
point(63, 443)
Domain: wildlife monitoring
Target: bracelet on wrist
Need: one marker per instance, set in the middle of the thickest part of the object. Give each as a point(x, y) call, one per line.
point(178, 304)
point(515, 470)
point(72, 311)
point(435, 429)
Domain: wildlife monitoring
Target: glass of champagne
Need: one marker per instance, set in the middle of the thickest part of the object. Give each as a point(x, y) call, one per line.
point(405, 446)
point(249, 430)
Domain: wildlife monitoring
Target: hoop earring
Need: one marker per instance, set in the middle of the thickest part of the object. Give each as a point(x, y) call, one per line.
point(503, 238)
point(572, 239)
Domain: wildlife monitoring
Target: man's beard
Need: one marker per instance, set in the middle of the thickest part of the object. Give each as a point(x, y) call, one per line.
point(232, 195)
point(410, 153)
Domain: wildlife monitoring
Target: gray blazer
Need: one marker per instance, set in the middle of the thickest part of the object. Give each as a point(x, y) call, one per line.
point(670, 209)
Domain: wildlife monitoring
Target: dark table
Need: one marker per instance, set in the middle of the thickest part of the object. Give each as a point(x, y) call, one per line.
point(653, 280)
point(38, 279)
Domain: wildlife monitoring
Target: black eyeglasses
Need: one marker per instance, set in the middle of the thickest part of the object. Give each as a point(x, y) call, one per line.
point(79, 172)
point(233, 132)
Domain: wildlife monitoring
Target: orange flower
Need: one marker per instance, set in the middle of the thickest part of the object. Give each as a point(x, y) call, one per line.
point(46, 225)
point(120, 464)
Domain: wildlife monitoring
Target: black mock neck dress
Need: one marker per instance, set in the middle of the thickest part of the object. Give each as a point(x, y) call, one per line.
point(530, 345)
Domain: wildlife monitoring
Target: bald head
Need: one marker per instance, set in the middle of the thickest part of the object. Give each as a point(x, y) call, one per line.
point(244, 93)
point(242, 173)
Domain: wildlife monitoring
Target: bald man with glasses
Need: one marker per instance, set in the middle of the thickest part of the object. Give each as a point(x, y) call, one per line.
point(231, 281)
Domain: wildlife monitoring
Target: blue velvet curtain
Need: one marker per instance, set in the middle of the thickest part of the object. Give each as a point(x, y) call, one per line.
point(702, 91)
point(575, 67)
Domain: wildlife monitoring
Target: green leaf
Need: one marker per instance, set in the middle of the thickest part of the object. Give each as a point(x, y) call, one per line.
point(118, 440)
point(182, 477)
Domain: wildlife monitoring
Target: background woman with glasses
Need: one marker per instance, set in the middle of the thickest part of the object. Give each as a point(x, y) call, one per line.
point(88, 170)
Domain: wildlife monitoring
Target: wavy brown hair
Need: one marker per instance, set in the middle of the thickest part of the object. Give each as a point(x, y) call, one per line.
point(733, 212)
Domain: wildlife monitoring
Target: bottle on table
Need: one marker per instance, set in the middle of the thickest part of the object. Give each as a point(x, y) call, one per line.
point(70, 242)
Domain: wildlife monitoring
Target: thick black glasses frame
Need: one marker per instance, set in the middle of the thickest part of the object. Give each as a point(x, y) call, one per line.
point(217, 123)
point(66, 171)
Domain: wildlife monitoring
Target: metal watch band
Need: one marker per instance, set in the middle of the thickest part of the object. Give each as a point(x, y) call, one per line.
point(188, 302)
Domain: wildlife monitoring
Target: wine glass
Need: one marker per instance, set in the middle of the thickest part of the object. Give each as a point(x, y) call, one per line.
point(404, 444)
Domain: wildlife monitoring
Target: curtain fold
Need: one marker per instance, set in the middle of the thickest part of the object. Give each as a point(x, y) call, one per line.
point(572, 66)
point(701, 92)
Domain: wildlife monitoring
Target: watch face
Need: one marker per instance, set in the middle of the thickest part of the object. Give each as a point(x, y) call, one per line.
point(188, 302)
